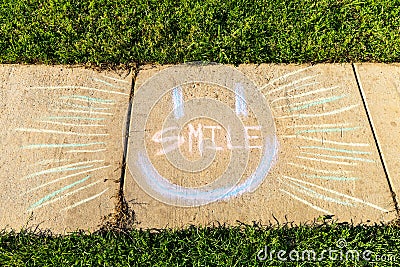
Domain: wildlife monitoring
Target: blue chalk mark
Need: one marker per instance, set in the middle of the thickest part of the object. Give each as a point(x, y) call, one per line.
point(49, 196)
point(319, 102)
point(240, 100)
point(194, 196)
point(327, 130)
point(73, 118)
point(60, 145)
point(90, 99)
point(338, 150)
point(177, 97)
point(335, 178)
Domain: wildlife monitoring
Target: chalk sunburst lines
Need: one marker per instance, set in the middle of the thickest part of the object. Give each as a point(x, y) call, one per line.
point(79, 124)
point(310, 108)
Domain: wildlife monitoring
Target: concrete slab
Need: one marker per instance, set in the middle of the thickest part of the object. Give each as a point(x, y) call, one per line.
point(61, 145)
point(211, 143)
point(381, 84)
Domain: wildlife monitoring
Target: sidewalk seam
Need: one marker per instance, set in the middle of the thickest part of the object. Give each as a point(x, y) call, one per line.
point(374, 134)
point(127, 129)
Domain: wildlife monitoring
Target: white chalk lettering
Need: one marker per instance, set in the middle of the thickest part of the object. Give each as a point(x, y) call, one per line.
point(198, 134)
point(248, 137)
point(213, 128)
point(159, 137)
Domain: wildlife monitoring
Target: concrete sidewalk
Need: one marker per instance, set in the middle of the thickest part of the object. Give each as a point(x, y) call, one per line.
point(207, 143)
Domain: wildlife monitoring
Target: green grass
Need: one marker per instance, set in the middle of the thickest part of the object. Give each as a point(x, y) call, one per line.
point(201, 246)
point(116, 32)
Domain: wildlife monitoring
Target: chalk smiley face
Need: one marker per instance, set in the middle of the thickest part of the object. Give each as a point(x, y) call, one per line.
point(242, 117)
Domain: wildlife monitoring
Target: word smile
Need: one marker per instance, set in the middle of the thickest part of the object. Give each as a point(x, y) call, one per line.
point(202, 133)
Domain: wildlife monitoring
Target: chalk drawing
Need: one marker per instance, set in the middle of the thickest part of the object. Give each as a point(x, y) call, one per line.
point(89, 99)
point(309, 132)
point(333, 178)
point(83, 111)
point(337, 156)
point(57, 132)
point(83, 169)
point(329, 125)
point(328, 161)
point(49, 161)
point(318, 102)
point(115, 79)
point(33, 146)
point(73, 118)
point(106, 83)
point(291, 84)
point(293, 96)
point(64, 177)
point(304, 94)
point(305, 202)
point(327, 141)
point(177, 97)
point(307, 191)
point(273, 81)
point(337, 111)
point(357, 200)
point(338, 150)
point(240, 122)
point(65, 195)
point(199, 132)
point(72, 124)
point(79, 87)
point(86, 151)
point(238, 137)
point(69, 167)
point(85, 200)
point(327, 171)
point(55, 193)
point(303, 87)
point(83, 107)
point(328, 130)
point(312, 102)
point(240, 100)
point(159, 138)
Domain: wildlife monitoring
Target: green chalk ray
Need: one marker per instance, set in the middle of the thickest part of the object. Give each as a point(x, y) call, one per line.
point(69, 193)
point(73, 118)
point(69, 167)
point(50, 196)
point(327, 130)
point(338, 150)
point(90, 99)
point(60, 145)
point(319, 102)
point(59, 169)
point(335, 178)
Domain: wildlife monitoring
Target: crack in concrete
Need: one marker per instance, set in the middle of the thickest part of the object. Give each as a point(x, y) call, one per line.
point(378, 146)
point(127, 129)
point(123, 217)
